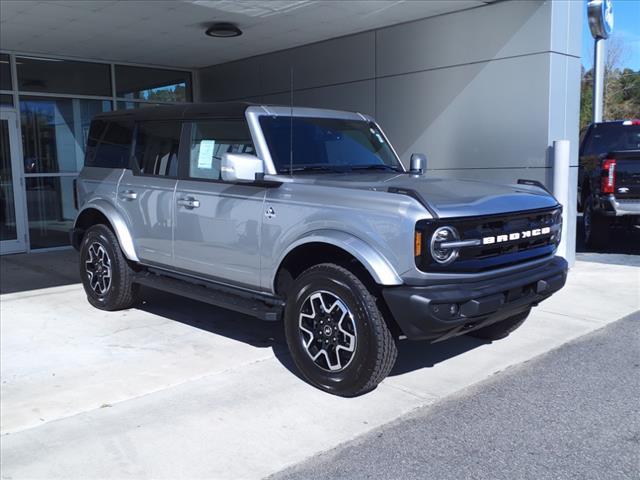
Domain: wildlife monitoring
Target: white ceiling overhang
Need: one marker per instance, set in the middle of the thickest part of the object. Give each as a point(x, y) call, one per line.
point(171, 33)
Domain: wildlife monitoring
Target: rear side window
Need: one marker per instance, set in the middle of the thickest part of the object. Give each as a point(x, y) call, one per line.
point(109, 144)
point(156, 150)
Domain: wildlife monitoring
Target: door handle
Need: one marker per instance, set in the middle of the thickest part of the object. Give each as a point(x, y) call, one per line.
point(128, 195)
point(189, 202)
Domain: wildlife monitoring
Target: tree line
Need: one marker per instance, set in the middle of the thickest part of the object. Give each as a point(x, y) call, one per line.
point(621, 89)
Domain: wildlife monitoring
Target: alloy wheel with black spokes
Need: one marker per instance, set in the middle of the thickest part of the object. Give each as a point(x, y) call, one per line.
point(336, 334)
point(98, 269)
point(107, 276)
point(328, 331)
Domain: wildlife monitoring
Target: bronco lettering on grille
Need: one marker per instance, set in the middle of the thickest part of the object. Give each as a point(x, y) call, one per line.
point(536, 232)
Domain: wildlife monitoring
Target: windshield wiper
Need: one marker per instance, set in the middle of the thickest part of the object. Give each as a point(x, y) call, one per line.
point(376, 166)
point(317, 168)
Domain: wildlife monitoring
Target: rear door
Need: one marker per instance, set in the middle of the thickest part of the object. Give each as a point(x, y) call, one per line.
point(218, 224)
point(146, 191)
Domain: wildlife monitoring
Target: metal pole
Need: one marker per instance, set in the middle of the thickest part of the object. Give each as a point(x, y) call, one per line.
point(598, 79)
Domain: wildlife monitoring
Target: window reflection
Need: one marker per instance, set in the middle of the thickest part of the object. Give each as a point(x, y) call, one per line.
point(54, 132)
point(133, 105)
point(50, 210)
point(156, 149)
point(5, 72)
point(152, 84)
point(6, 100)
point(8, 229)
point(50, 75)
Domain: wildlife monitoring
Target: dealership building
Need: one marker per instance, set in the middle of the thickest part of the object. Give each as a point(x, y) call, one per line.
point(482, 88)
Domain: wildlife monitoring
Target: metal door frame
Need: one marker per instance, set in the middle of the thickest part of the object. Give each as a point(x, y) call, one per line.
point(17, 175)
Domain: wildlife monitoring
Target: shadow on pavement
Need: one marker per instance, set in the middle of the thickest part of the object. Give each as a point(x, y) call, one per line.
point(219, 321)
point(415, 355)
point(210, 318)
point(32, 271)
point(621, 241)
point(258, 333)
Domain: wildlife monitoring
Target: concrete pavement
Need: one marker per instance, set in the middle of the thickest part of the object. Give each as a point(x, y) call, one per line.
point(179, 389)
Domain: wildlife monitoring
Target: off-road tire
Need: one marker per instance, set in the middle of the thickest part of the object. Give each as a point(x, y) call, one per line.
point(121, 293)
point(595, 227)
point(501, 329)
point(375, 349)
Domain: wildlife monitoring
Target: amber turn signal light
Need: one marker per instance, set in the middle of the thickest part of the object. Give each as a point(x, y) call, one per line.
point(417, 246)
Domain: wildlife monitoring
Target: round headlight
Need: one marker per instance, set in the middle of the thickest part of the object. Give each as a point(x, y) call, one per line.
point(442, 254)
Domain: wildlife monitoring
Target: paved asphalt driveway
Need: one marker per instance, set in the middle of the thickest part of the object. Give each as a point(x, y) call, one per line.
point(572, 413)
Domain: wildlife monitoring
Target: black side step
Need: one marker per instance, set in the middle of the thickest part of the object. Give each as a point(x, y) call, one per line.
point(255, 305)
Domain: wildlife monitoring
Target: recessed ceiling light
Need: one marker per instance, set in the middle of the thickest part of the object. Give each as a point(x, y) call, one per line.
point(223, 30)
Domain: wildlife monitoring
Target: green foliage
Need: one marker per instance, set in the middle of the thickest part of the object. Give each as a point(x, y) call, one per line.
point(175, 93)
point(586, 98)
point(621, 95)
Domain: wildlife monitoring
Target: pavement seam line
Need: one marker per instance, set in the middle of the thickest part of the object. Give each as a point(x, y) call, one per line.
point(589, 318)
point(409, 391)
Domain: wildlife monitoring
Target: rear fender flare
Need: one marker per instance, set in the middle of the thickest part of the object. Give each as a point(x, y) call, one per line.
point(117, 222)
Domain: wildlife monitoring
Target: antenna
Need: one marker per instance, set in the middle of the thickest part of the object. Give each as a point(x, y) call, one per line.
point(291, 127)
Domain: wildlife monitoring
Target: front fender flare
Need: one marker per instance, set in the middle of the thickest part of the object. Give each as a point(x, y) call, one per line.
point(117, 222)
point(380, 269)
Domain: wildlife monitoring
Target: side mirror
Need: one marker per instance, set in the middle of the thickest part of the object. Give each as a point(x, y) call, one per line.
point(241, 167)
point(418, 163)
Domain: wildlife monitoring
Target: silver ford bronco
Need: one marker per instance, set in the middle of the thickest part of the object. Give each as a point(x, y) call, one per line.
point(308, 216)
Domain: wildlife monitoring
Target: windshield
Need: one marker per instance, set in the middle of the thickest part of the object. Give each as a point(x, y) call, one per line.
point(307, 144)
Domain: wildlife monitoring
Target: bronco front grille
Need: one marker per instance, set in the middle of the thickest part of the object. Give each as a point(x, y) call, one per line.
point(494, 241)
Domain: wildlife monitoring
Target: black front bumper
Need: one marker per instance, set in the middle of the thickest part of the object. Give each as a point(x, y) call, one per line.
point(441, 311)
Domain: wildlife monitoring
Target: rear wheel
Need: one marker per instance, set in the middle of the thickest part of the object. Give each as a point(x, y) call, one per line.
point(502, 329)
point(336, 334)
point(106, 275)
point(595, 227)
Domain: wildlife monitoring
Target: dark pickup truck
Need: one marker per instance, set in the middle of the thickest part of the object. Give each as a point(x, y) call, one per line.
point(609, 179)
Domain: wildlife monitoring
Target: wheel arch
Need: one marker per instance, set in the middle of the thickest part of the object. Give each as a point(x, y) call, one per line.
point(334, 247)
point(103, 212)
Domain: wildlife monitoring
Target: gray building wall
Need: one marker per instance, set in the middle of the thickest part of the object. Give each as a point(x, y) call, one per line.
point(483, 92)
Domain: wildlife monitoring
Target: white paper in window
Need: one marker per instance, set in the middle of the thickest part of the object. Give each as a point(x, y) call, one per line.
point(205, 155)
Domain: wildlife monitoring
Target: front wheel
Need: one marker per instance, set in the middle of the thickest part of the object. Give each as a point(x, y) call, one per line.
point(336, 334)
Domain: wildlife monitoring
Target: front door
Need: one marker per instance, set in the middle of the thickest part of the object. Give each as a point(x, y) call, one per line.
point(217, 229)
point(12, 222)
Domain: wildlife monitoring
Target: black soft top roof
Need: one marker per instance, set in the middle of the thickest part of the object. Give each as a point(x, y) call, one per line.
point(172, 112)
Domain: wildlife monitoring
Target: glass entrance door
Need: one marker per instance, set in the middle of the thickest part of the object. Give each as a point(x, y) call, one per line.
point(12, 221)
